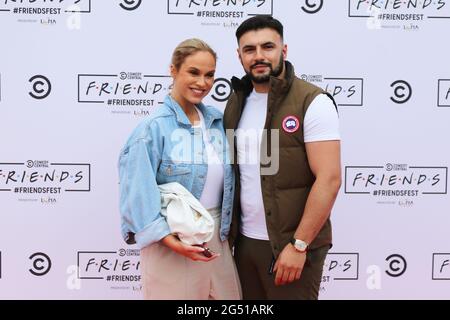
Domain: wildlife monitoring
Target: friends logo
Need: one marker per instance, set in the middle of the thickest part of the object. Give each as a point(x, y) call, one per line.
point(394, 181)
point(341, 266)
point(44, 178)
point(220, 12)
point(345, 91)
point(125, 93)
point(114, 267)
point(34, 10)
point(441, 266)
point(398, 14)
point(443, 99)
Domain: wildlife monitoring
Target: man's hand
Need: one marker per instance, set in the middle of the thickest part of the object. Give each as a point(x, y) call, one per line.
point(289, 265)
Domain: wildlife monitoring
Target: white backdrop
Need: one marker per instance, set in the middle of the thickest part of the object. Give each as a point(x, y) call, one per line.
point(65, 66)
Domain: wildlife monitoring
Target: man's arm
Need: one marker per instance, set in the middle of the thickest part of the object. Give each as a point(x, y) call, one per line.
point(324, 160)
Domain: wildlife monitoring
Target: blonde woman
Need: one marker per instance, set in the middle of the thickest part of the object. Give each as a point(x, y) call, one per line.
point(182, 141)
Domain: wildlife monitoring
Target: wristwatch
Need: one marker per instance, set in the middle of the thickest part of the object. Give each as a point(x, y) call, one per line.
point(299, 245)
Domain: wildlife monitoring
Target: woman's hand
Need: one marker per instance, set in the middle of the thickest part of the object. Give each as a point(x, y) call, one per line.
point(195, 253)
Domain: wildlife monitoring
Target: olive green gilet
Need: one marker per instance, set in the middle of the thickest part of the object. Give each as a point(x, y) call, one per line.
point(285, 192)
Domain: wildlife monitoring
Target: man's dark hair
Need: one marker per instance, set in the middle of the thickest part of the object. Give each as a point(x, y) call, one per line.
point(259, 22)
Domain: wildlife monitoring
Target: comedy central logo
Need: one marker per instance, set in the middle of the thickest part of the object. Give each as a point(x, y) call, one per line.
point(214, 11)
point(221, 89)
point(41, 87)
point(130, 5)
point(112, 266)
point(40, 264)
point(43, 8)
point(341, 266)
point(345, 91)
point(396, 180)
point(126, 92)
point(402, 91)
point(405, 15)
point(312, 6)
point(42, 177)
point(443, 99)
point(396, 265)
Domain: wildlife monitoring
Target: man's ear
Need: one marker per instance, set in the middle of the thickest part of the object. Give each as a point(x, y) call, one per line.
point(239, 55)
point(285, 51)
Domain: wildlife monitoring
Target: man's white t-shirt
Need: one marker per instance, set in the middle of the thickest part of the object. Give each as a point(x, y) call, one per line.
point(321, 123)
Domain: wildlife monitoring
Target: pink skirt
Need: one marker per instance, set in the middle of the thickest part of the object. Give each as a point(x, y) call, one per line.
point(167, 275)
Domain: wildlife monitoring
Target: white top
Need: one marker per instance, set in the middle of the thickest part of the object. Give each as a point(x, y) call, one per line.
point(321, 123)
point(213, 190)
point(321, 120)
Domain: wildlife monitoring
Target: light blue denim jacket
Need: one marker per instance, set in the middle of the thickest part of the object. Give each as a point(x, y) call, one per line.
point(166, 148)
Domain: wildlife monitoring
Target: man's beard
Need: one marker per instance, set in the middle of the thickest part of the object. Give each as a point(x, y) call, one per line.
point(266, 77)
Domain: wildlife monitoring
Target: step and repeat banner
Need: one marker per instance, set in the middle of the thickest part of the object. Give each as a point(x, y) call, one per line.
point(76, 76)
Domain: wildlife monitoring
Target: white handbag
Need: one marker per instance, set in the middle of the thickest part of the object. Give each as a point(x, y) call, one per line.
point(185, 215)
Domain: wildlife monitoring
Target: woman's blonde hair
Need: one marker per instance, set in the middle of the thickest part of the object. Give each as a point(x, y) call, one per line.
point(187, 48)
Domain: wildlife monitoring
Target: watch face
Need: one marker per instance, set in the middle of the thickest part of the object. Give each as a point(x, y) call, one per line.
point(300, 245)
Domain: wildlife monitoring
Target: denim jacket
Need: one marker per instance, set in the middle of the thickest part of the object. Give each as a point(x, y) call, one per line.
point(166, 148)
